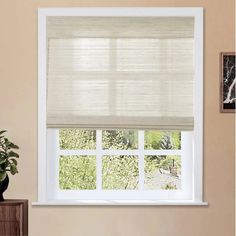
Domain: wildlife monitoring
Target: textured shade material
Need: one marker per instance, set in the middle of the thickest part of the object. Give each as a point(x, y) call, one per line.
point(120, 72)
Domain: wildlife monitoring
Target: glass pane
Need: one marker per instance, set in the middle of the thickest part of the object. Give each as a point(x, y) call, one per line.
point(162, 140)
point(162, 172)
point(77, 139)
point(77, 172)
point(120, 139)
point(120, 172)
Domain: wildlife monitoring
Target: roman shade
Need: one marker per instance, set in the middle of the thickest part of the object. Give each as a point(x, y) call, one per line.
point(120, 72)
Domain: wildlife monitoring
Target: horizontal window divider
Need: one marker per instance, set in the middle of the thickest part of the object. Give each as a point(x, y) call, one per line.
point(162, 152)
point(118, 152)
point(77, 152)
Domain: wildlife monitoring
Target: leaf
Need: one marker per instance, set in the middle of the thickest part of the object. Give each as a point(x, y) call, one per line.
point(3, 175)
point(13, 154)
point(12, 145)
point(3, 154)
point(6, 140)
point(14, 161)
point(13, 169)
point(2, 161)
point(2, 131)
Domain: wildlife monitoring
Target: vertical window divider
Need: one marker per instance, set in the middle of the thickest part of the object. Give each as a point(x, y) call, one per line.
point(187, 176)
point(58, 155)
point(53, 163)
point(141, 158)
point(99, 160)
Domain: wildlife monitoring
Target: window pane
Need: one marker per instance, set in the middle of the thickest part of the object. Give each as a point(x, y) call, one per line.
point(162, 140)
point(120, 139)
point(77, 139)
point(120, 172)
point(77, 172)
point(162, 172)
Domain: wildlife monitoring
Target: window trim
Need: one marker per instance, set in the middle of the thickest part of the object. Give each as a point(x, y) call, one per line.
point(196, 12)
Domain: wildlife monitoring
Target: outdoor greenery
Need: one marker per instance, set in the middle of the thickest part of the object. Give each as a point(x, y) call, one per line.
point(8, 162)
point(120, 139)
point(154, 139)
point(118, 172)
point(165, 164)
point(77, 172)
point(72, 139)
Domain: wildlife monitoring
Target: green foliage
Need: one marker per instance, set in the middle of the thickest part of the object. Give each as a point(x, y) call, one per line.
point(120, 172)
point(169, 186)
point(166, 142)
point(169, 162)
point(120, 139)
point(151, 163)
point(169, 140)
point(77, 139)
point(8, 162)
point(77, 172)
point(154, 139)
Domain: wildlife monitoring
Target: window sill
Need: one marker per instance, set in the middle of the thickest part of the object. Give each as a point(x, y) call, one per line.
point(119, 202)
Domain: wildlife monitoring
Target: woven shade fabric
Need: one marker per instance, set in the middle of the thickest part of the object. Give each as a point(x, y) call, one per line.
point(120, 72)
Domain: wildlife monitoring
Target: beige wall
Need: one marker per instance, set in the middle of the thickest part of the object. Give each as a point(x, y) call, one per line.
point(18, 114)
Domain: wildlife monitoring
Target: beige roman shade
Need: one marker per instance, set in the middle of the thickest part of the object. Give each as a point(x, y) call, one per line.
point(120, 72)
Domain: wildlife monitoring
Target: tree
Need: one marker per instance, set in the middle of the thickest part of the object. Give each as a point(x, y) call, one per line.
point(229, 79)
point(120, 172)
point(170, 163)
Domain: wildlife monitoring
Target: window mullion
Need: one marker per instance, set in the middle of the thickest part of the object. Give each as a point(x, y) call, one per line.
point(99, 160)
point(141, 159)
point(53, 163)
point(186, 162)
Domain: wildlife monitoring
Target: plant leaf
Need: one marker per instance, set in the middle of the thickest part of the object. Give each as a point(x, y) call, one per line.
point(2, 161)
point(12, 145)
point(3, 175)
point(13, 161)
point(6, 140)
point(2, 131)
point(13, 169)
point(3, 154)
point(13, 154)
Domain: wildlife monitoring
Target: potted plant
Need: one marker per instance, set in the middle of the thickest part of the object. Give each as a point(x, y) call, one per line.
point(8, 162)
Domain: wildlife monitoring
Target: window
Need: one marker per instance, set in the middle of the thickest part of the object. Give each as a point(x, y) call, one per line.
point(120, 105)
point(119, 163)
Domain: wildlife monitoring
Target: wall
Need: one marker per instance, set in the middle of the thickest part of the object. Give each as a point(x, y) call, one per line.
point(18, 104)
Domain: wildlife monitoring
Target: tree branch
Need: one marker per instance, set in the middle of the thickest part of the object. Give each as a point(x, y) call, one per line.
point(228, 100)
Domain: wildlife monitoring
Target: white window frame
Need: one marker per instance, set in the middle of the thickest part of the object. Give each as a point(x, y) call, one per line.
point(54, 152)
point(197, 13)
